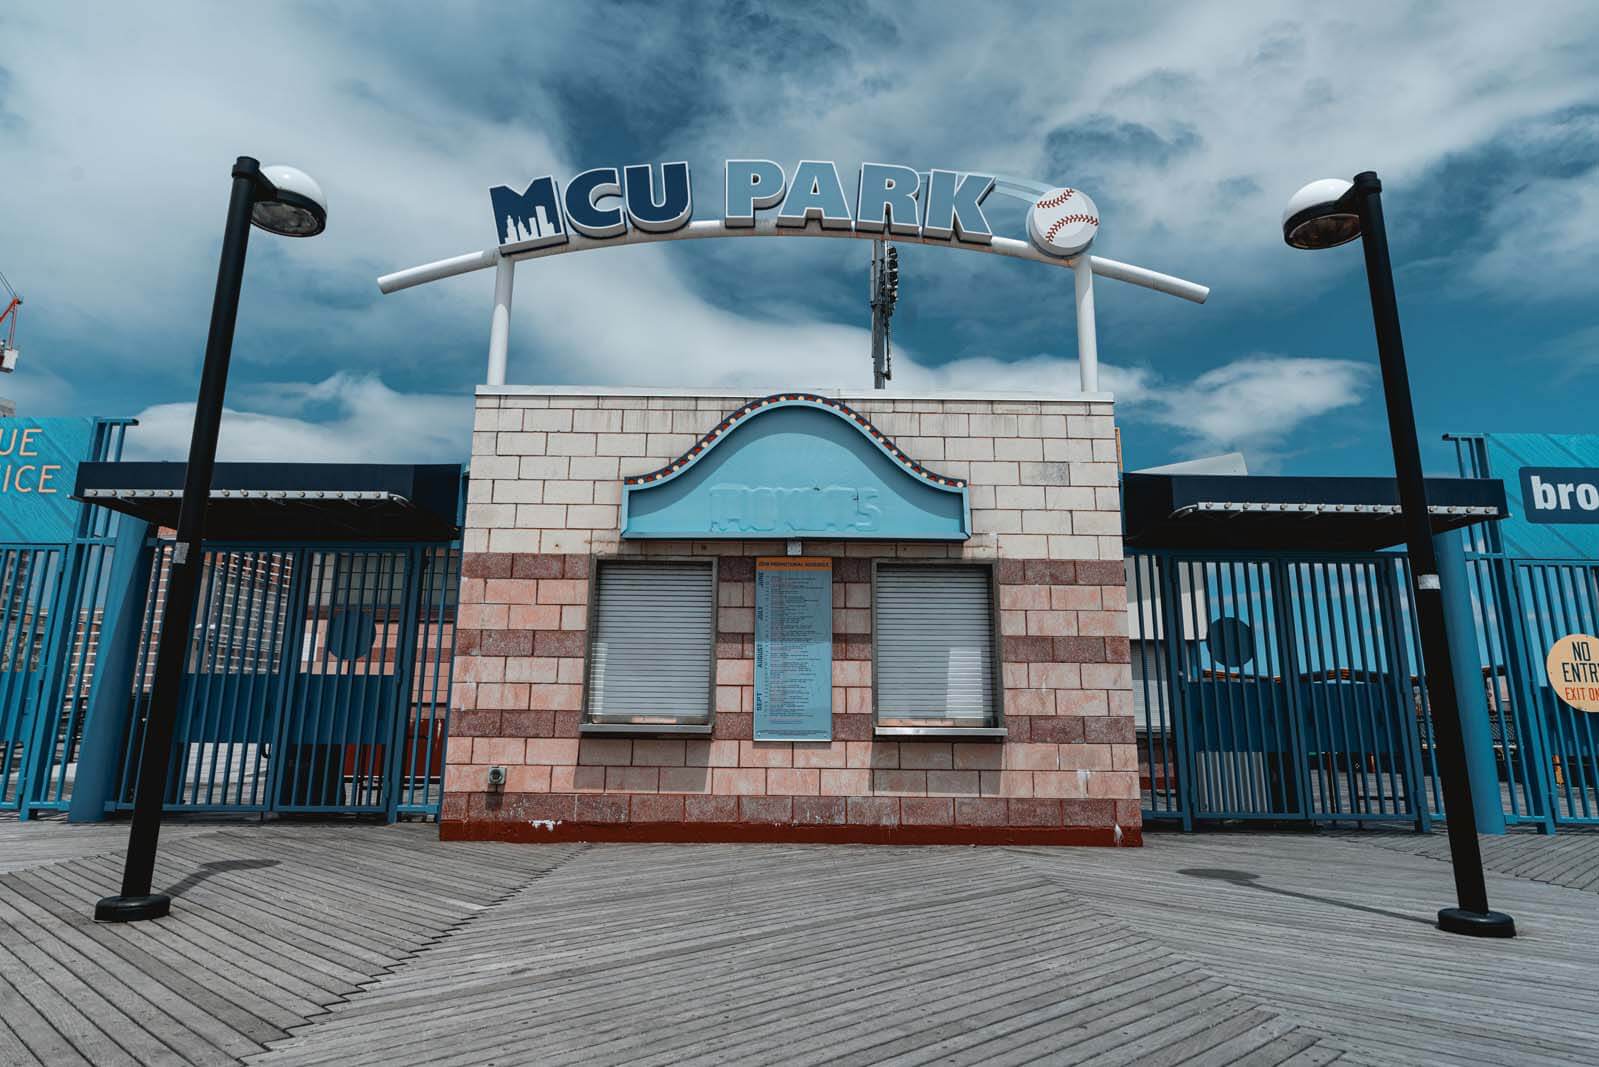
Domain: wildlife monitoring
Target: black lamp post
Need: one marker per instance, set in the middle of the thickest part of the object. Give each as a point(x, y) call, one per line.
point(280, 200)
point(1325, 214)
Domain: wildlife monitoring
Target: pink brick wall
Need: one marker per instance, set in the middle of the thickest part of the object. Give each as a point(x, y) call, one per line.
point(1066, 771)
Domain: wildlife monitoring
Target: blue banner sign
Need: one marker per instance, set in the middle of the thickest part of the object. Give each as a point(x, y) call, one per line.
point(794, 649)
point(889, 199)
point(1560, 494)
point(795, 465)
point(1552, 489)
point(38, 469)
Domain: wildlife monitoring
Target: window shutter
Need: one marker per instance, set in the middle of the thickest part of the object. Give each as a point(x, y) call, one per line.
point(654, 633)
point(935, 644)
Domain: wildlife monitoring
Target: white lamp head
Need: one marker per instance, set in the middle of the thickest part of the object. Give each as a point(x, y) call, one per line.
point(1320, 216)
point(298, 209)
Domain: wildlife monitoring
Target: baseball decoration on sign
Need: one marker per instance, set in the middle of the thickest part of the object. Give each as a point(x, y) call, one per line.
point(1062, 222)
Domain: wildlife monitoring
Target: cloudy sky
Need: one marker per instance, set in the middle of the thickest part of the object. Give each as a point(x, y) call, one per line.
point(1189, 123)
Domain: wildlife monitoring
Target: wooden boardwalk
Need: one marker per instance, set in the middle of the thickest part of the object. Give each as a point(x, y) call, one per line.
point(340, 944)
point(1570, 858)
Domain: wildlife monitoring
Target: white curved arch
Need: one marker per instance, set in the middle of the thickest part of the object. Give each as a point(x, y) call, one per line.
point(1083, 267)
point(701, 229)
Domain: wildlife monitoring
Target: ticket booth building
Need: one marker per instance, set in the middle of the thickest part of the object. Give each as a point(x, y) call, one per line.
point(805, 616)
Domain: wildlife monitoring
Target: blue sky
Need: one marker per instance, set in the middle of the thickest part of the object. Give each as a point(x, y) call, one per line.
point(1190, 124)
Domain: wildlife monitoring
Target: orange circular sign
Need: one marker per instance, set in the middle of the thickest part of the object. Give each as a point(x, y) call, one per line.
point(1573, 665)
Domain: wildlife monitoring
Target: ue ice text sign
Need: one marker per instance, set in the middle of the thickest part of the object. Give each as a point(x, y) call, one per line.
point(890, 199)
point(1560, 494)
point(38, 469)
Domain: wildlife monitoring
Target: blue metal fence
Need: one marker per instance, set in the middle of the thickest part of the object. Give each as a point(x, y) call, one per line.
point(318, 680)
point(1279, 688)
point(1547, 752)
point(52, 599)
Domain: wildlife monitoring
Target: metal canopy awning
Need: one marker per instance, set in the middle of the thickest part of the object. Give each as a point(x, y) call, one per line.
point(1294, 514)
point(290, 501)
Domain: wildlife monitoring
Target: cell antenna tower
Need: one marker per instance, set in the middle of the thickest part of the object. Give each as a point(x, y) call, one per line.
point(8, 339)
point(8, 343)
point(884, 292)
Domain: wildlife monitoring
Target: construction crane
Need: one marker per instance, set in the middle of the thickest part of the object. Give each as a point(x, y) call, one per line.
point(8, 344)
point(884, 292)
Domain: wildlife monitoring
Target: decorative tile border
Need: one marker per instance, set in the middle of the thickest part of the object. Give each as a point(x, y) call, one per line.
point(755, 407)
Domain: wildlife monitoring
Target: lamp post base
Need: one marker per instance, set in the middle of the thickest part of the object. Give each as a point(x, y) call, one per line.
point(1476, 923)
point(132, 909)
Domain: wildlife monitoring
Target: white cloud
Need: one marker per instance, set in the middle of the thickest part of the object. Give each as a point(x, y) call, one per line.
point(116, 184)
point(1545, 241)
point(359, 419)
point(1253, 404)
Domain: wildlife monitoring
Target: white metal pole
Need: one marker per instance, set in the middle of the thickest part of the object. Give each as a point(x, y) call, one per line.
point(500, 324)
point(1087, 341)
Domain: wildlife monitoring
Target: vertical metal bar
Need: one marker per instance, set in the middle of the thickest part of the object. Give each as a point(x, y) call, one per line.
point(1524, 678)
point(217, 671)
point(325, 671)
point(194, 719)
point(258, 627)
point(396, 749)
point(1590, 744)
point(285, 705)
point(1386, 717)
point(1251, 609)
point(1171, 616)
point(1546, 607)
point(1403, 694)
point(1157, 646)
point(444, 663)
point(56, 631)
point(1247, 769)
point(1285, 588)
point(1370, 724)
point(1490, 610)
point(1352, 734)
point(279, 579)
point(148, 626)
point(1134, 564)
point(1320, 688)
point(1576, 617)
point(374, 697)
point(1419, 664)
point(1205, 792)
point(343, 671)
point(1087, 338)
point(13, 595)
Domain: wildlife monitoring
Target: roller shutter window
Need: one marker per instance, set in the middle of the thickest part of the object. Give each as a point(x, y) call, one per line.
point(652, 642)
point(934, 629)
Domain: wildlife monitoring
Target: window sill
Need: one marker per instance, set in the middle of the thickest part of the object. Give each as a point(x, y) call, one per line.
point(967, 733)
point(646, 729)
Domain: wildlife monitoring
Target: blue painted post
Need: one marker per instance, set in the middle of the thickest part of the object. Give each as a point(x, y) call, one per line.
point(111, 698)
point(1461, 622)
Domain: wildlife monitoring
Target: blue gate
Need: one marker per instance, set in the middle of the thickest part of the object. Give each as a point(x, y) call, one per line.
point(30, 579)
point(1559, 598)
point(1547, 753)
point(317, 680)
point(52, 599)
point(1275, 687)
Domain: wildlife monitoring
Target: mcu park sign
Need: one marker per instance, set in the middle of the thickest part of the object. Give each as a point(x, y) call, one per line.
point(644, 203)
point(889, 200)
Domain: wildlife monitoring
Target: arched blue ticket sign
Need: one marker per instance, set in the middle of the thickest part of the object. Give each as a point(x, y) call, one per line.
point(795, 465)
